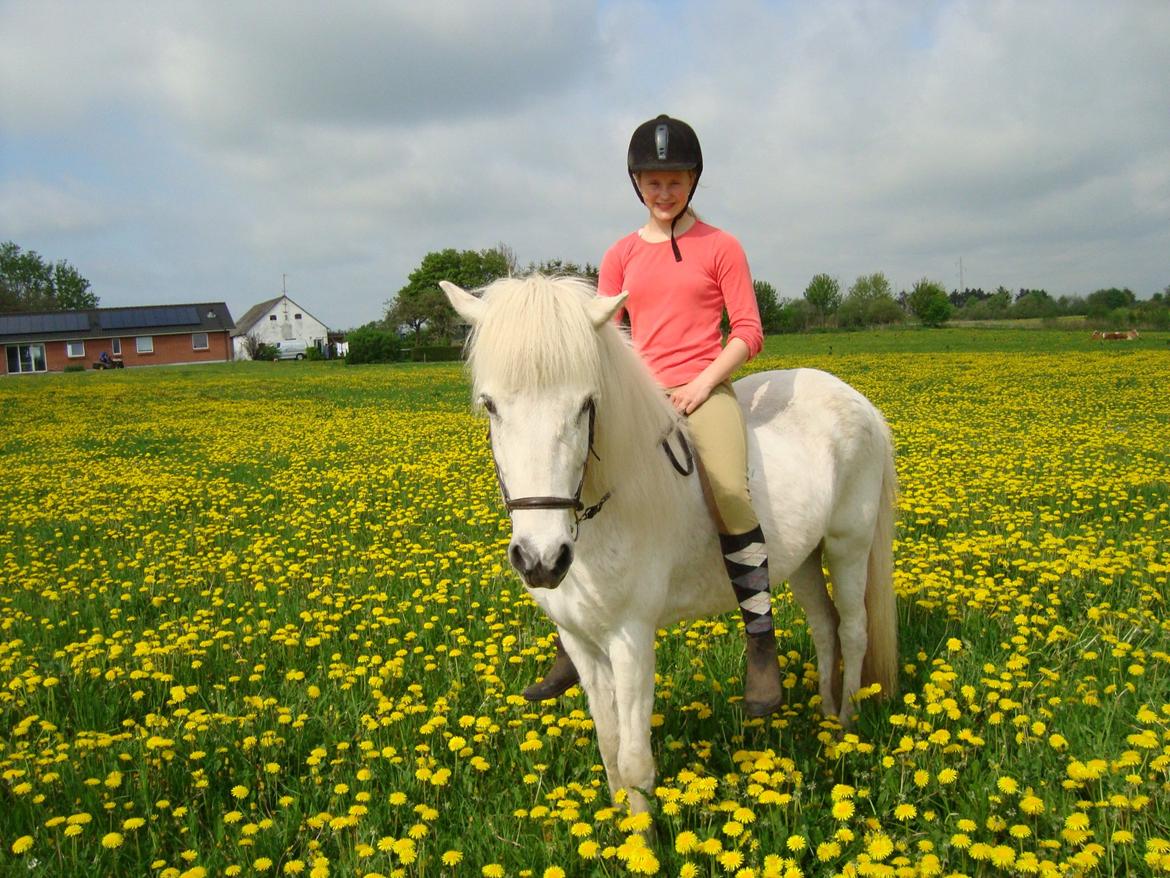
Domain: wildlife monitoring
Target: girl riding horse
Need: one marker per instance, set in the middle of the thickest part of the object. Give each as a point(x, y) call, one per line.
point(681, 274)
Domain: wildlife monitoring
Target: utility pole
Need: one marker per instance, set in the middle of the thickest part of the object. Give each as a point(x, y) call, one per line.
point(961, 286)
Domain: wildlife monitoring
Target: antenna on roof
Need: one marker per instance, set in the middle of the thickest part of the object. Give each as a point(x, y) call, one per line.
point(284, 284)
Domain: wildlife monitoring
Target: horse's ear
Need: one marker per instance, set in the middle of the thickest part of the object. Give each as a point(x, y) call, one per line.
point(602, 308)
point(466, 305)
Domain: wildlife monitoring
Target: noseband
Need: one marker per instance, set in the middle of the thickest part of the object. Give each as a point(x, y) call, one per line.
point(581, 512)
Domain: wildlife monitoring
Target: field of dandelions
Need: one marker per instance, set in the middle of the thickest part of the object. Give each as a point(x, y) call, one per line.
point(256, 620)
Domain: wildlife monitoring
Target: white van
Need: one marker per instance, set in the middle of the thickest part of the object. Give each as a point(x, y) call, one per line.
point(291, 349)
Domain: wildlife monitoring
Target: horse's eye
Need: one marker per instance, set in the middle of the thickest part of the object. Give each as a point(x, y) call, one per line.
point(487, 403)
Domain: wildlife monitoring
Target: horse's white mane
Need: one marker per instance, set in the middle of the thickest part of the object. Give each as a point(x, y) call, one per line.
point(536, 336)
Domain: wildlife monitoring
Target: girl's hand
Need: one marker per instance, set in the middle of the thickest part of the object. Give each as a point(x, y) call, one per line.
point(690, 396)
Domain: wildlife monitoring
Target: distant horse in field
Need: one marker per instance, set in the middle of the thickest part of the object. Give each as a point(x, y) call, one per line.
point(612, 535)
point(1115, 336)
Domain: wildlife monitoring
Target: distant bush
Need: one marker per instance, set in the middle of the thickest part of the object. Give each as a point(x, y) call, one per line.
point(75, 367)
point(314, 354)
point(794, 315)
point(370, 345)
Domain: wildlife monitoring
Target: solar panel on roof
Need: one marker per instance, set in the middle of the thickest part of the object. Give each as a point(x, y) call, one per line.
point(147, 318)
point(25, 324)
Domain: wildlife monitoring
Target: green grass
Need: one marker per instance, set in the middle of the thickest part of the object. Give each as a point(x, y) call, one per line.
point(976, 338)
point(290, 578)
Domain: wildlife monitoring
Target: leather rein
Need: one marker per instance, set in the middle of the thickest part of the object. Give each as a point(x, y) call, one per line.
point(581, 512)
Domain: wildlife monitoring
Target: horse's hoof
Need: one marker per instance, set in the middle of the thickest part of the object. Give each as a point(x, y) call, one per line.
point(756, 709)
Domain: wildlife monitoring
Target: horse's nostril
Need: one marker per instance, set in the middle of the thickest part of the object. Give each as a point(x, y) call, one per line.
point(518, 559)
point(564, 559)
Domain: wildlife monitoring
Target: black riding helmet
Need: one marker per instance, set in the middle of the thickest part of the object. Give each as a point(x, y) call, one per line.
point(665, 144)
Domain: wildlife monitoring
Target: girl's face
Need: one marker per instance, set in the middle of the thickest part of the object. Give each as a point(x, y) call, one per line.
point(665, 192)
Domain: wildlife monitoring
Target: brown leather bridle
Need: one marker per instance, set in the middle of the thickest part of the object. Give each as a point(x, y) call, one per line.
point(581, 512)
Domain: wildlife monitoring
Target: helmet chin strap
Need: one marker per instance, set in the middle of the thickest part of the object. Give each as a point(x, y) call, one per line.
point(674, 222)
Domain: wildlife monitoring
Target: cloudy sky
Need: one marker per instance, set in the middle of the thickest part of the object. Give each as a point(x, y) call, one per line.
point(177, 152)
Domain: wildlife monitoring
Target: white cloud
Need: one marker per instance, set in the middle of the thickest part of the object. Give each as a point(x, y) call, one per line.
point(231, 143)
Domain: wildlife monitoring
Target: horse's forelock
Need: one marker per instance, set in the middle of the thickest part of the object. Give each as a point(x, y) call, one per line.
point(536, 334)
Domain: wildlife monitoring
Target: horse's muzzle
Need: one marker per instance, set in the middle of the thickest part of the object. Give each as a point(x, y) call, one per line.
point(536, 571)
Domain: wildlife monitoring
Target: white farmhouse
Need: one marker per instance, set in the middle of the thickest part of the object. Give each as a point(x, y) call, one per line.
point(275, 321)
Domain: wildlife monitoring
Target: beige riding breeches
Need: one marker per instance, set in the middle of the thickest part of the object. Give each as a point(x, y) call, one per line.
point(720, 439)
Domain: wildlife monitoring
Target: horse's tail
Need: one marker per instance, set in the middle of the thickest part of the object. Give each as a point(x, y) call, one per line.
point(881, 608)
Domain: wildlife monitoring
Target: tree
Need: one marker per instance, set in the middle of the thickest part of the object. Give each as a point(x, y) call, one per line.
point(559, 267)
point(1104, 301)
point(29, 283)
point(769, 305)
point(870, 301)
point(372, 344)
point(795, 315)
point(929, 303)
point(823, 293)
point(421, 302)
point(1034, 303)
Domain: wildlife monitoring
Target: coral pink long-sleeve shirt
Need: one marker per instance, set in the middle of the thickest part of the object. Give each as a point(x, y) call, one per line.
point(675, 307)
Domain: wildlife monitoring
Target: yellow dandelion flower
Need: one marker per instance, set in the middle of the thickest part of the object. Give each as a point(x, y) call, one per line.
point(685, 842)
point(588, 849)
point(732, 829)
point(112, 840)
point(22, 844)
point(262, 864)
point(843, 809)
point(1031, 804)
point(492, 870)
point(554, 872)
point(879, 846)
point(730, 860)
point(635, 822)
point(905, 811)
point(452, 858)
point(240, 791)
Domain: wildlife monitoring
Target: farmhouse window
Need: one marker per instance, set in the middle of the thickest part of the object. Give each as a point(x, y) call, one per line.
point(74, 349)
point(26, 358)
point(116, 345)
point(271, 316)
point(199, 341)
point(145, 344)
point(296, 317)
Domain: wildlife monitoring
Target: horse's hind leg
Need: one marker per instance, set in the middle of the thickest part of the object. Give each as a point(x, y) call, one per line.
point(847, 559)
point(807, 583)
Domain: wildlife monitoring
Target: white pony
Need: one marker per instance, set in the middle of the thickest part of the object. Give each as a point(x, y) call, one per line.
point(577, 423)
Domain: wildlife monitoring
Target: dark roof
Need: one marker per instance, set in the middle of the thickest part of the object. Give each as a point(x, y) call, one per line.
point(108, 322)
point(253, 314)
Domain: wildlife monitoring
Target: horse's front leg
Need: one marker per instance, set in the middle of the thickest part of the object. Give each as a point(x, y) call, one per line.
point(631, 655)
point(596, 675)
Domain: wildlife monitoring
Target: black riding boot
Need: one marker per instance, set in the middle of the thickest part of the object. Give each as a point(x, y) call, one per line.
point(561, 677)
point(746, 558)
